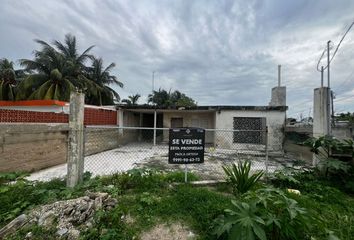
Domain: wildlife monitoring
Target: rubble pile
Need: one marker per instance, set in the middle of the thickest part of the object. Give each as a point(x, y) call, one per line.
point(69, 217)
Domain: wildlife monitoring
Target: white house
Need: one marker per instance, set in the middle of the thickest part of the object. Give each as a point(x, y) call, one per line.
point(229, 126)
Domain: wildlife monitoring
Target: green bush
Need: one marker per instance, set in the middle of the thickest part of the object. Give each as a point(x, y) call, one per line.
point(264, 214)
point(12, 176)
point(240, 178)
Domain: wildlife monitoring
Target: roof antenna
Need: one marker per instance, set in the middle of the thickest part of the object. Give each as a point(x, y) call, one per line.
point(279, 75)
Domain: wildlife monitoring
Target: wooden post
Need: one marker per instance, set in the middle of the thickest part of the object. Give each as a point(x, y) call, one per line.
point(76, 139)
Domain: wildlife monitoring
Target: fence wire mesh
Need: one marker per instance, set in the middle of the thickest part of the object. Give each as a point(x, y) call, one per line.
point(110, 150)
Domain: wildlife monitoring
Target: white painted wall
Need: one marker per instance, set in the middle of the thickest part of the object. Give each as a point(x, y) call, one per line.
point(275, 120)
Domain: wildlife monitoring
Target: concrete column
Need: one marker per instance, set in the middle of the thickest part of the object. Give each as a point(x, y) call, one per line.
point(76, 139)
point(278, 97)
point(120, 121)
point(321, 115)
point(321, 112)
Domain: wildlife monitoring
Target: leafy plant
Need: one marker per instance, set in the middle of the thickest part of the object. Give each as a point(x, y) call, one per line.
point(240, 177)
point(12, 176)
point(323, 148)
point(148, 199)
point(242, 222)
point(264, 214)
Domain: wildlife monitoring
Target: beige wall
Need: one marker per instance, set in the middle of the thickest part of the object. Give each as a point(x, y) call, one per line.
point(30, 147)
point(344, 132)
point(192, 119)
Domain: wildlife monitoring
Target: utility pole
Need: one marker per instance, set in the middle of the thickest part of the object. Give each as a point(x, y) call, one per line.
point(322, 76)
point(328, 62)
point(279, 75)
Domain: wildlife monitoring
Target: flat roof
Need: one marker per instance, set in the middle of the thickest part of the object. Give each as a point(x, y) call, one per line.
point(145, 107)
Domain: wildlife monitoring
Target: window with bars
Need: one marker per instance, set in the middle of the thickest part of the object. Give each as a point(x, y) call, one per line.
point(252, 130)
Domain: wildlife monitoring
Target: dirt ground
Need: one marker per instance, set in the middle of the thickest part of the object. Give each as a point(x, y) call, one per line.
point(173, 231)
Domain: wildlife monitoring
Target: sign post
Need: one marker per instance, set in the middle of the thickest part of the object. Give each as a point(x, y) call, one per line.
point(186, 146)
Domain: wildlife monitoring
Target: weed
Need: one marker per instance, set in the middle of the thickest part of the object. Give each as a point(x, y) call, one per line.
point(240, 178)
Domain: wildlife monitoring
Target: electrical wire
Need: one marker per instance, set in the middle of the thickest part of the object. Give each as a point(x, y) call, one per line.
point(335, 51)
point(347, 80)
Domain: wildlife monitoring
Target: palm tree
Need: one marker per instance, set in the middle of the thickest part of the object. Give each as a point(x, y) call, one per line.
point(102, 77)
point(8, 79)
point(132, 100)
point(52, 77)
point(56, 72)
point(169, 99)
point(160, 98)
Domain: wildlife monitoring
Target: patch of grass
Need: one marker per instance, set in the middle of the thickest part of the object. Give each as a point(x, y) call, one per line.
point(23, 195)
point(12, 176)
point(150, 199)
point(327, 201)
point(195, 207)
point(38, 233)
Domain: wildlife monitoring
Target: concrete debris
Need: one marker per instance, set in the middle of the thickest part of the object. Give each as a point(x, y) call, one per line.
point(68, 217)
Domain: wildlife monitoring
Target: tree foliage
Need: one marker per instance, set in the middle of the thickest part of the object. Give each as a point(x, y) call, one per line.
point(345, 117)
point(132, 100)
point(9, 77)
point(169, 99)
point(59, 68)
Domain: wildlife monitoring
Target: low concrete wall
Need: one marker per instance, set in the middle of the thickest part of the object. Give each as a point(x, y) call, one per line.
point(31, 147)
point(343, 132)
point(100, 139)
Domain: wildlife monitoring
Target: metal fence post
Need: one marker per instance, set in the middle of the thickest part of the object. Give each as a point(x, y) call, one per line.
point(76, 139)
point(155, 120)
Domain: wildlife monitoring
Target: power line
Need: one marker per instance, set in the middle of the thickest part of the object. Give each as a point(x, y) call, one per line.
point(345, 81)
point(343, 98)
point(335, 51)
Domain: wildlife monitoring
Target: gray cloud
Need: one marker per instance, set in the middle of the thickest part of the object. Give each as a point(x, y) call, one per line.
point(218, 52)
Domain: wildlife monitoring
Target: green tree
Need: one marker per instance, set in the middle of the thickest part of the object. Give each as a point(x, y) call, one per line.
point(165, 99)
point(8, 79)
point(102, 77)
point(50, 76)
point(179, 99)
point(132, 100)
point(161, 98)
point(57, 70)
point(345, 117)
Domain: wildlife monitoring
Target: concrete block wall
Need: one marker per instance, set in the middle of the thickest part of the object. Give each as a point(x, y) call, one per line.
point(31, 147)
point(99, 139)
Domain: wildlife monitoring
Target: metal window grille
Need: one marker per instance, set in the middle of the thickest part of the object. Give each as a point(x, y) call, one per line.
point(250, 130)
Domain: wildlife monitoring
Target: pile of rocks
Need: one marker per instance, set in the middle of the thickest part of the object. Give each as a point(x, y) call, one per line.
point(69, 217)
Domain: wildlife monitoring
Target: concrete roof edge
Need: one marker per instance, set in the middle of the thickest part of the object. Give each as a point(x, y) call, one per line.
point(213, 107)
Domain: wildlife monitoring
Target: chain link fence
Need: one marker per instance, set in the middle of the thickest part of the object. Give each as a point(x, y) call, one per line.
point(110, 150)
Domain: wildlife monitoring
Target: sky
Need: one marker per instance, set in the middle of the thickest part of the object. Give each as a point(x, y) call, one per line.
point(217, 52)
